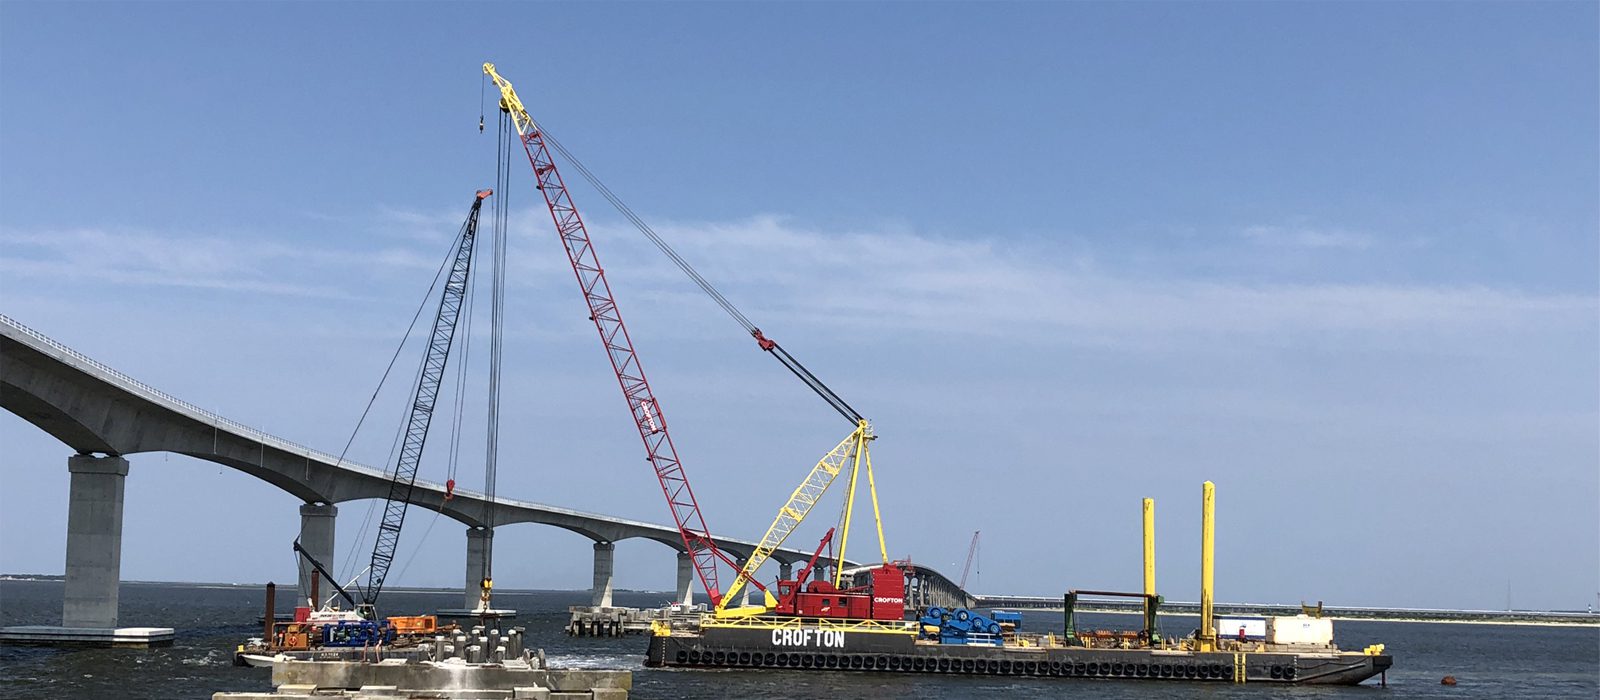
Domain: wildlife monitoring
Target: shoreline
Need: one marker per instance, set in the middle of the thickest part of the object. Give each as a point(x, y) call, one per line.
point(1345, 618)
point(1582, 620)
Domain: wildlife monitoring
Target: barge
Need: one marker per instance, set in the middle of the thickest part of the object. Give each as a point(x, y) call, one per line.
point(823, 645)
point(821, 626)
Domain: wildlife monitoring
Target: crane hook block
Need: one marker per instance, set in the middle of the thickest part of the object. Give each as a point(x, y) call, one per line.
point(449, 489)
point(763, 341)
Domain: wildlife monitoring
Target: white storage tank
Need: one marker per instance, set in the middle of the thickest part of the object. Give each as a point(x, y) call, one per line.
point(1300, 629)
point(1255, 628)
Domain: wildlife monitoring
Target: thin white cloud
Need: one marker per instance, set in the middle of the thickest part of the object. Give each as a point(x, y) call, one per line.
point(873, 280)
point(15, 269)
point(900, 280)
point(239, 263)
point(1308, 237)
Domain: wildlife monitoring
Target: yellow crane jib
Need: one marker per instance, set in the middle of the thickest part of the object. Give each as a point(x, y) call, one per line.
point(510, 102)
point(793, 512)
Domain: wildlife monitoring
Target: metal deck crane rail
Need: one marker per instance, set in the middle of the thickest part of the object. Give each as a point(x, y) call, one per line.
point(642, 404)
point(421, 413)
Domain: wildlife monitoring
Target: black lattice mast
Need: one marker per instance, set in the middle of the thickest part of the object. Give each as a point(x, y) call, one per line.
point(421, 413)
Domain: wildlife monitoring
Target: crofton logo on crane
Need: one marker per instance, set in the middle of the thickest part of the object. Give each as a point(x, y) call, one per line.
point(827, 639)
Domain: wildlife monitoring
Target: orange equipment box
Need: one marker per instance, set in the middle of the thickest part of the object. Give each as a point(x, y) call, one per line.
point(418, 624)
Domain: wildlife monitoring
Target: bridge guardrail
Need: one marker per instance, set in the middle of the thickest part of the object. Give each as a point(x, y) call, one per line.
point(146, 391)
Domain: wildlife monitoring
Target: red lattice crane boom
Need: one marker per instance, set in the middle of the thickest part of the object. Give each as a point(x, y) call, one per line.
point(642, 404)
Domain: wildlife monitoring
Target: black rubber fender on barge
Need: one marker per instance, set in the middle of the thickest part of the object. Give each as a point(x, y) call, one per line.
point(874, 653)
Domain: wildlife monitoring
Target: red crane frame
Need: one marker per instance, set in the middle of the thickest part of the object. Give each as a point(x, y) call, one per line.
point(642, 404)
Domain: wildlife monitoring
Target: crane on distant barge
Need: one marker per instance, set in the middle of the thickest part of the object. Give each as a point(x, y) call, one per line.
point(646, 410)
point(972, 550)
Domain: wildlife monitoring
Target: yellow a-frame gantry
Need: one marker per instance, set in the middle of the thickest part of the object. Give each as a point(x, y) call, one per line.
point(852, 450)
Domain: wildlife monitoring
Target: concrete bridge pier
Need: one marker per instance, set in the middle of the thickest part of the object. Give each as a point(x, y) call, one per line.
point(685, 578)
point(94, 541)
point(603, 555)
point(785, 570)
point(480, 547)
point(479, 541)
point(316, 536)
point(94, 564)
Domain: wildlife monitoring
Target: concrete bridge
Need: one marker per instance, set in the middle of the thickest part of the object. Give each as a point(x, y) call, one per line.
point(104, 416)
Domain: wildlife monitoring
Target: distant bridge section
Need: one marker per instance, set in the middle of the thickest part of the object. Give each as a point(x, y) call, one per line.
point(924, 587)
point(1346, 612)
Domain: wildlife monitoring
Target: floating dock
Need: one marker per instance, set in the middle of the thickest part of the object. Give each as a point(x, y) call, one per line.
point(53, 635)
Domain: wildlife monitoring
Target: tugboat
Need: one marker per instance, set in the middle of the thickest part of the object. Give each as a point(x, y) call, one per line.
point(331, 634)
point(343, 635)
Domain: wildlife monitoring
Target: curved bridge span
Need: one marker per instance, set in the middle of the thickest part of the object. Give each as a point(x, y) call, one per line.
point(105, 415)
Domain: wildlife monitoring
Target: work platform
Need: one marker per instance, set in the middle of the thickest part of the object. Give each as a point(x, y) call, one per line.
point(448, 680)
point(53, 635)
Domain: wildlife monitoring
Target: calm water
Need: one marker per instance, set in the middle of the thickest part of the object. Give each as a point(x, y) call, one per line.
point(1489, 661)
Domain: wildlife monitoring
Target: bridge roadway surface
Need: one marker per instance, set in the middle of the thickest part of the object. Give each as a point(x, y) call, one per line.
point(95, 409)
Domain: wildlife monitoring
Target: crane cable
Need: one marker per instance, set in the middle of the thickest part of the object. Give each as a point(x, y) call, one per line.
point(463, 367)
point(771, 346)
point(704, 284)
point(499, 224)
point(366, 522)
point(460, 398)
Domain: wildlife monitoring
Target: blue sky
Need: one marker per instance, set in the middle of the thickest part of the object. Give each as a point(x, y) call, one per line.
point(1339, 258)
